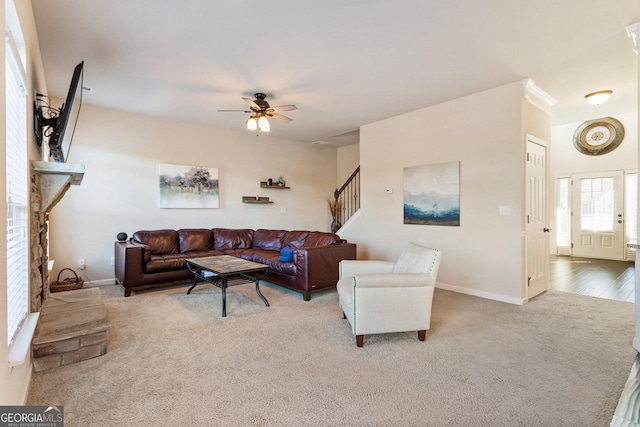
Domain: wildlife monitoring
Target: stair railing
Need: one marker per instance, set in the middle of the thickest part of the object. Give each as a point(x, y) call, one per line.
point(346, 200)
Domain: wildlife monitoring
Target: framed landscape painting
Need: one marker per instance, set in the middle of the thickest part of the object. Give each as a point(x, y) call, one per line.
point(432, 194)
point(188, 187)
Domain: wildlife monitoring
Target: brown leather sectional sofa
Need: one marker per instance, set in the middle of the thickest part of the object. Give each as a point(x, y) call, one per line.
point(157, 258)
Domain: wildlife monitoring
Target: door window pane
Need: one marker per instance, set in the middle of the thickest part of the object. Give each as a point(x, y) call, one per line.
point(563, 214)
point(596, 204)
point(631, 204)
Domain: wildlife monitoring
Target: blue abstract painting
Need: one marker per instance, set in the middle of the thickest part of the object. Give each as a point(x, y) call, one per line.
point(432, 194)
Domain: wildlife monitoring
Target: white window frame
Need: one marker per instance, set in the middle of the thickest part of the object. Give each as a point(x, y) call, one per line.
point(17, 202)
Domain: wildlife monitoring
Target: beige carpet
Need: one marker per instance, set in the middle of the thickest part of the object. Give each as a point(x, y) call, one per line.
point(561, 360)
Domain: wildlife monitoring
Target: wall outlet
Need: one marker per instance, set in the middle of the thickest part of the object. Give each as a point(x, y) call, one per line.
point(82, 263)
point(113, 261)
point(283, 210)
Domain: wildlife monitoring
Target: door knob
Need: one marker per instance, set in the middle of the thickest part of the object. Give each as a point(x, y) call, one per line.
point(546, 230)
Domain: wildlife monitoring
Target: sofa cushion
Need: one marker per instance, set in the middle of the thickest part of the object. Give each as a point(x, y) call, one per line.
point(270, 240)
point(246, 254)
point(294, 239)
point(226, 238)
point(270, 258)
point(202, 254)
point(195, 239)
point(319, 238)
point(159, 241)
point(167, 262)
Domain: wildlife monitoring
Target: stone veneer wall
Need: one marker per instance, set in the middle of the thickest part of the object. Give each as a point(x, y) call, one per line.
point(49, 183)
point(39, 273)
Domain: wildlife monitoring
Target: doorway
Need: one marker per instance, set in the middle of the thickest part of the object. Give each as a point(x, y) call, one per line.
point(596, 214)
point(536, 211)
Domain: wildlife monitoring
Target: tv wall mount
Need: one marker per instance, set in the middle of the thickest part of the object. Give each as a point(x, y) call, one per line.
point(45, 118)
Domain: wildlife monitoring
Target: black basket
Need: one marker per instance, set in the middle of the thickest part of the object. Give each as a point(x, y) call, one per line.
point(68, 284)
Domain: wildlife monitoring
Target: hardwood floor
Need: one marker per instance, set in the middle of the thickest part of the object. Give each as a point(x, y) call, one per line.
point(593, 277)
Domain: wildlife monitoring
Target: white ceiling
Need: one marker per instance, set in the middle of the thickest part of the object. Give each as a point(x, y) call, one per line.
point(343, 63)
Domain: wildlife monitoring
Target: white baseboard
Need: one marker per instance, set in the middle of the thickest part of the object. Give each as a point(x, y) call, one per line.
point(481, 294)
point(102, 282)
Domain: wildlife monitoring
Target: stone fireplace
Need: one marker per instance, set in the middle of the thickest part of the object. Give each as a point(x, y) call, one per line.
point(49, 183)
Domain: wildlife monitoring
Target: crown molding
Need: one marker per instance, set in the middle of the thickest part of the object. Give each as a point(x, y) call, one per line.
point(632, 31)
point(536, 96)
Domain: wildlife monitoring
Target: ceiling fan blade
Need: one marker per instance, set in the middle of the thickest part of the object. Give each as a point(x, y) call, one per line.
point(283, 108)
point(279, 117)
point(231, 111)
point(252, 103)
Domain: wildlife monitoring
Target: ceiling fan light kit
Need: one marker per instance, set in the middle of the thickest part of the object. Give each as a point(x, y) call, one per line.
point(597, 98)
point(260, 111)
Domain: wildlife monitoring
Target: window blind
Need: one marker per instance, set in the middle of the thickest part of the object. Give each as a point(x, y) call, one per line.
point(17, 191)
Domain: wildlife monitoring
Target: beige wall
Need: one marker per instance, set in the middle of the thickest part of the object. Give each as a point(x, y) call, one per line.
point(483, 256)
point(121, 152)
point(348, 161)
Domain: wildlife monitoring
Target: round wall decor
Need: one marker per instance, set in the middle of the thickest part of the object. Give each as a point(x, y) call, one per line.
point(598, 136)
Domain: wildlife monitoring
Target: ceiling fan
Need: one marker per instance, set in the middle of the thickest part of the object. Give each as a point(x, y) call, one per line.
point(260, 110)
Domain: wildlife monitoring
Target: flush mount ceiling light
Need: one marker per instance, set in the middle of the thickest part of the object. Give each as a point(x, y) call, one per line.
point(260, 111)
point(597, 98)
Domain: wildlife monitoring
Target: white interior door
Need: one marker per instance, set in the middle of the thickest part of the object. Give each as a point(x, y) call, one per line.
point(537, 231)
point(598, 215)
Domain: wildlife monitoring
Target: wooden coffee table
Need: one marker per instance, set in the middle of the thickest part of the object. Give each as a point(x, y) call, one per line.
point(225, 270)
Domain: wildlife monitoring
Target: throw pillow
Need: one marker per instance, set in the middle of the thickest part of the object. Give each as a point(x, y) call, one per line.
point(286, 255)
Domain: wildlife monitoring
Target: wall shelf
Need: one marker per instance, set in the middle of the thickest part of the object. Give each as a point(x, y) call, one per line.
point(256, 200)
point(265, 184)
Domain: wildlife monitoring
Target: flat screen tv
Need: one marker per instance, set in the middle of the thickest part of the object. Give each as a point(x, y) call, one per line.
point(65, 125)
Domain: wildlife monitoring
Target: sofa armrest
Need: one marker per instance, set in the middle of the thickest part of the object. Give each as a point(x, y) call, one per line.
point(146, 249)
point(350, 268)
point(129, 262)
point(318, 266)
point(393, 280)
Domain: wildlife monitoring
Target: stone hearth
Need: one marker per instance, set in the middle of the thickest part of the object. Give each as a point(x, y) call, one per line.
point(72, 327)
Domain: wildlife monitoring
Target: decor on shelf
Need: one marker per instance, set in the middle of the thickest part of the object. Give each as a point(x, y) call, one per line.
point(267, 184)
point(432, 194)
point(335, 206)
point(122, 236)
point(256, 200)
point(599, 136)
point(191, 187)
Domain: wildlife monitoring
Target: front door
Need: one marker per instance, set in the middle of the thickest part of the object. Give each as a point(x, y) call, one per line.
point(537, 246)
point(598, 222)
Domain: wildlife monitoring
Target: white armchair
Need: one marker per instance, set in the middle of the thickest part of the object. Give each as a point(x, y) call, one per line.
point(379, 297)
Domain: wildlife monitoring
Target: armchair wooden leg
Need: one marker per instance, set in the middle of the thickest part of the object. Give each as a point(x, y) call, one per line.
point(344, 316)
point(359, 340)
point(422, 335)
